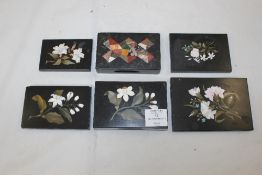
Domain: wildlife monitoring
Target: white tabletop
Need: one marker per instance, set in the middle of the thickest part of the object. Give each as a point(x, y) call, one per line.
point(23, 25)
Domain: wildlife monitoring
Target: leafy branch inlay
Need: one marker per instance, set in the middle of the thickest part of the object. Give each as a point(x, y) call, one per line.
point(63, 54)
point(130, 105)
point(215, 105)
point(58, 108)
point(200, 52)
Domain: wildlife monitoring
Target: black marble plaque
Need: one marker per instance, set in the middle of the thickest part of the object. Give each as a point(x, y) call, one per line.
point(66, 55)
point(210, 104)
point(64, 107)
point(199, 53)
point(122, 104)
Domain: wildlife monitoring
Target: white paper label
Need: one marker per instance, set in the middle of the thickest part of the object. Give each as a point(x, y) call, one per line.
point(155, 117)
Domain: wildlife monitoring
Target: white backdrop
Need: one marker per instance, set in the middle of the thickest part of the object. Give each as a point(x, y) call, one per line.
point(23, 24)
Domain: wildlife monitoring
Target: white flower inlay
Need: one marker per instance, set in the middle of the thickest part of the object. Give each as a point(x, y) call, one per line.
point(203, 57)
point(76, 98)
point(194, 53)
point(77, 109)
point(60, 50)
point(214, 90)
point(154, 102)
point(206, 111)
point(194, 91)
point(146, 95)
point(69, 95)
point(211, 55)
point(125, 92)
point(152, 95)
point(80, 105)
point(72, 112)
point(56, 100)
point(153, 107)
point(77, 55)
